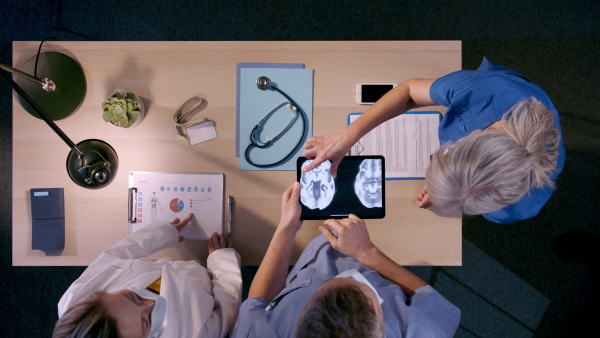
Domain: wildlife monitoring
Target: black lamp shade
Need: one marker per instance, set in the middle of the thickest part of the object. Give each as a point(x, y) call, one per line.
point(96, 168)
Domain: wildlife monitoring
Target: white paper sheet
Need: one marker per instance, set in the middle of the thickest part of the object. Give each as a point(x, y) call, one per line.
point(165, 196)
point(406, 142)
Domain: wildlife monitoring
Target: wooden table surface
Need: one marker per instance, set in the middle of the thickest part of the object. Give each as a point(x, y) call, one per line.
point(164, 75)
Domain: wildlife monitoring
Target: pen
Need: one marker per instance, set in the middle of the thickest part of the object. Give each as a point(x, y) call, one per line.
point(229, 213)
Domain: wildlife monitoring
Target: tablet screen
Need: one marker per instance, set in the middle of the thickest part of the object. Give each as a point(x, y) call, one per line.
point(358, 189)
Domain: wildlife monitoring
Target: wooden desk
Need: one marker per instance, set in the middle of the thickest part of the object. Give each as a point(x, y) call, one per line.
point(164, 75)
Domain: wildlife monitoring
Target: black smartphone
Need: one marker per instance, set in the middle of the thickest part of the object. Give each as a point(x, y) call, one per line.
point(369, 93)
point(359, 188)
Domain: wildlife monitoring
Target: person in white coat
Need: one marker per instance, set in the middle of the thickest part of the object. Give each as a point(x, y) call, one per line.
point(125, 293)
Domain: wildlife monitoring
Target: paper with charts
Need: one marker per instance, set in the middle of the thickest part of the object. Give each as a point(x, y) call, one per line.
point(166, 195)
point(406, 141)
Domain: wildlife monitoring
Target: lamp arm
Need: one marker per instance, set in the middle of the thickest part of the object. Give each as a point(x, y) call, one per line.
point(21, 74)
point(45, 117)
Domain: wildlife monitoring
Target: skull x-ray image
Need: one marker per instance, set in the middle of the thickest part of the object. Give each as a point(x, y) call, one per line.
point(368, 184)
point(317, 186)
point(359, 188)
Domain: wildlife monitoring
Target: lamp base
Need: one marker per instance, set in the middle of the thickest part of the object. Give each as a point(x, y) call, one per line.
point(70, 85)
point(96, 168)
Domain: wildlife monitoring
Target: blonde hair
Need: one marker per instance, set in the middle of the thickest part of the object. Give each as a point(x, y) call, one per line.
point(486, 171)
point(87, 318)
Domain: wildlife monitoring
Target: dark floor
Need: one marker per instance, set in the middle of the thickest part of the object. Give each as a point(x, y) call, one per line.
point(533, 278)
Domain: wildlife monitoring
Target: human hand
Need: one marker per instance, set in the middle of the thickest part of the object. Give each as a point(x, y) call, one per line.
point(423, 199)
point(290, 208)
point(353, 238)
point(180, 224)
point(217, 241)
point(329, 147)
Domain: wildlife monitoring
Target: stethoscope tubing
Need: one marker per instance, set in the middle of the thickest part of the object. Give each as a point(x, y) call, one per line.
point(253, 144)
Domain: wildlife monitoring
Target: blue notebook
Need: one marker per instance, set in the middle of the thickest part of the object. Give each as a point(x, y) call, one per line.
point(47, 219)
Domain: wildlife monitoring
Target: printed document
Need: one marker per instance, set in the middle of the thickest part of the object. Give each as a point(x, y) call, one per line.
point(406, 142)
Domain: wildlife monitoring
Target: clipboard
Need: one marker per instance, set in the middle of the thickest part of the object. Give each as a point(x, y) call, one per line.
point(154, 196)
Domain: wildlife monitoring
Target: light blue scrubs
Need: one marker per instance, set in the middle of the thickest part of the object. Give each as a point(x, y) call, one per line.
point(425, 314)
point(475, 100)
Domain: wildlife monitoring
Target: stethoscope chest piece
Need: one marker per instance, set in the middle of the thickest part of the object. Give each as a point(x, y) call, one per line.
point(263, 83)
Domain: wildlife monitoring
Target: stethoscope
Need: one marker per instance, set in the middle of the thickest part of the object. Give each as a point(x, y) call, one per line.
point(264, 83)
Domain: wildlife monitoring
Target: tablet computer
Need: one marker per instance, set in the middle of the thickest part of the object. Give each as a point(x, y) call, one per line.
point(358, 189)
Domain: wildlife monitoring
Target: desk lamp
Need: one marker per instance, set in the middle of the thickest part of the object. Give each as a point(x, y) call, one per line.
point(91, 163)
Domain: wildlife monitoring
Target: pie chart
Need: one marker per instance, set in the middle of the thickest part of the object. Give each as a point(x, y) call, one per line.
point(176, 205)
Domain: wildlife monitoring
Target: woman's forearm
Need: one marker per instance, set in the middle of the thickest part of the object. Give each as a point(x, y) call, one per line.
point(410, 94)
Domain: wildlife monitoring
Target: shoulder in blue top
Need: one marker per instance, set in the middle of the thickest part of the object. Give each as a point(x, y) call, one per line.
point(475, 100)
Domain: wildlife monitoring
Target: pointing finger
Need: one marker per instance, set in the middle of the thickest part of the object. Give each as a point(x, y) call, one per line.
point(334, 167)
point(187, 219)
point(315, 163)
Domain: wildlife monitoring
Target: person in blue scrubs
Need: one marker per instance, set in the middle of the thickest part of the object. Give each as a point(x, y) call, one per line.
point(342, 285)
point(501, 146)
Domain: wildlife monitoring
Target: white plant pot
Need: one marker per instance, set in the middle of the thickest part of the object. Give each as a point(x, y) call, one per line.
point(142, 110)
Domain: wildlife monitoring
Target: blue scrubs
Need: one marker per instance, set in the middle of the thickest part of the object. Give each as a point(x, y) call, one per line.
point(425, 314)
point(475, 100)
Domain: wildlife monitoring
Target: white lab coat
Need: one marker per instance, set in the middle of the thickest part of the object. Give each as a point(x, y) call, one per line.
point(200, 302)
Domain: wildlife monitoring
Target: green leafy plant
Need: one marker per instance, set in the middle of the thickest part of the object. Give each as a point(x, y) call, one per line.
point(122, 109)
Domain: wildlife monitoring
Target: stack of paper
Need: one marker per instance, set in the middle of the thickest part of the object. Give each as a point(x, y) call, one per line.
point(406, 142)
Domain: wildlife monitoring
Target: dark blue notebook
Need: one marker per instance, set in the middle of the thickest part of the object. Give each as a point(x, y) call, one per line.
point(47, 219)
